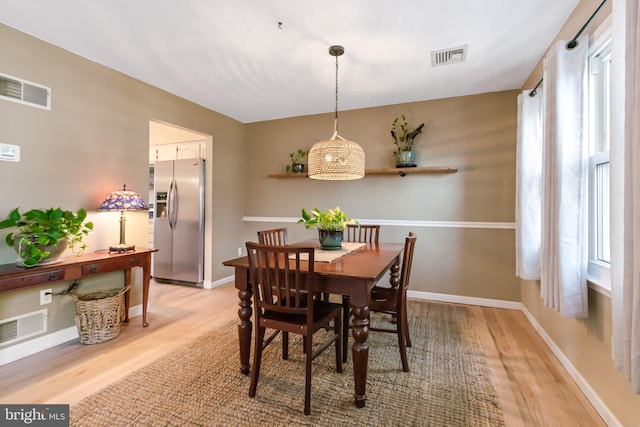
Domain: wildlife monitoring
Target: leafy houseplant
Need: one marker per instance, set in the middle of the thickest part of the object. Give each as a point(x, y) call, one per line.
point(296, 161)
point(330, 224)
point(39, 231)
point(404, 139)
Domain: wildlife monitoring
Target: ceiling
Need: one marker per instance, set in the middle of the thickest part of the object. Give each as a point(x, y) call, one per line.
point(268, 59)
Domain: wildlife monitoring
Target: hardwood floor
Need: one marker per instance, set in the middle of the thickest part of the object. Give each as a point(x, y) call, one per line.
point(533, 387)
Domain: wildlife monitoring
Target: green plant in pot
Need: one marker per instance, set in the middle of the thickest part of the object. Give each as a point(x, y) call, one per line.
point(404, 140)
point(43, 235)
point(330, 224)
point(296, 166)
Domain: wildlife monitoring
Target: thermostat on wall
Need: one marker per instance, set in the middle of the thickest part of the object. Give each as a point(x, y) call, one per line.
point(9, 152)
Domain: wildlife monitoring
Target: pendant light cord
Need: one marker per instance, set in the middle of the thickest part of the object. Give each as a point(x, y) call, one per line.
point(335, 122)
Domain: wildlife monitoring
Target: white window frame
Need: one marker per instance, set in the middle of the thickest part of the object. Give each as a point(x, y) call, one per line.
point(598, 271)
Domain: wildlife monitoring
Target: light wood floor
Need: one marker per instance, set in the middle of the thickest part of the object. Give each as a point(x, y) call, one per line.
point(533, 387)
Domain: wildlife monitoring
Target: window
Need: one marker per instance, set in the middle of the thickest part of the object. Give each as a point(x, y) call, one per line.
point(599, 137)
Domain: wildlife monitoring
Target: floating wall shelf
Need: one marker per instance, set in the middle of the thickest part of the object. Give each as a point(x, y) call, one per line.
point(383, 171)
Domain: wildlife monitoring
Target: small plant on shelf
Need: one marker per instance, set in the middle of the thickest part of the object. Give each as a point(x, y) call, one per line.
point(296, 166)
point(404, 140)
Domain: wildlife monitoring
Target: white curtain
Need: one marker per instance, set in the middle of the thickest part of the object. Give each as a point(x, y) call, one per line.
point(625, 190)
point(528, 185)
point(564, 258)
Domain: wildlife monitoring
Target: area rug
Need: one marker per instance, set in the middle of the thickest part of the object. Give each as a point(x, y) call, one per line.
point(200, 384)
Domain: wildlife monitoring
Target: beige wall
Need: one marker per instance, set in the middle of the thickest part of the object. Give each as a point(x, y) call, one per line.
point(94, 139)
point(475, 133)
point(585, 342)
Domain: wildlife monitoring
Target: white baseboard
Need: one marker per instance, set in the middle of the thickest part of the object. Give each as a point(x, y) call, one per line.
point(36, 345)
point(486, 302)
point(211, 285)
point(27, 348)
point(600, 407)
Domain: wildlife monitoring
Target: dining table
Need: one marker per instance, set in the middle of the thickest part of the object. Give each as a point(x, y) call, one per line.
point(353, 274)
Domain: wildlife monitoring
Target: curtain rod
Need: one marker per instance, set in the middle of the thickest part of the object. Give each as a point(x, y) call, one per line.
point(572, 43)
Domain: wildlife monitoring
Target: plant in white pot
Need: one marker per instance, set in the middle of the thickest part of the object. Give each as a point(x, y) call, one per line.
point(43, 235)
point(404, 140)
point(330, 224)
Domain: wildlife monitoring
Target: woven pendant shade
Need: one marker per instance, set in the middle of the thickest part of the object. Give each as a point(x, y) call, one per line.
point(336, 159)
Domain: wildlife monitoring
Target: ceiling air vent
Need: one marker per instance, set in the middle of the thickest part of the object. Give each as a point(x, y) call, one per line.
point(24, 92)
point(448, 56)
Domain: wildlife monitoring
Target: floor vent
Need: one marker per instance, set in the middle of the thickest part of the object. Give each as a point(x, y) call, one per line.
point(448, 56)
point(23, 326)
point(24, 92)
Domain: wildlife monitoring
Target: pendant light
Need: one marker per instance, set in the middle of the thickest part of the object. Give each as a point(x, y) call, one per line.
point(336, 159)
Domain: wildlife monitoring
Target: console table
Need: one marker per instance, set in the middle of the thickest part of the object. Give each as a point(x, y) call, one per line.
point(14, 277)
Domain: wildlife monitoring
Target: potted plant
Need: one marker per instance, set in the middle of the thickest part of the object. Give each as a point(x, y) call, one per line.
point(330, 224)
point(296, 165)
point(404, 139)
point(43, 235)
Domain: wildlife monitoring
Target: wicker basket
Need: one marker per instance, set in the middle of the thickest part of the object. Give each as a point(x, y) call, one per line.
point(98, 315)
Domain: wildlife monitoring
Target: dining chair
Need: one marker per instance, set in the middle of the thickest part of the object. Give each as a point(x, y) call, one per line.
point(275, 236)
point(361, 234)
point(280, 287)
point(393, 301)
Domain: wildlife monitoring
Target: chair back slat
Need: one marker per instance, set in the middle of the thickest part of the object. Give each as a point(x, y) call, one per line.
point(273, 237)
point(280, 277)
point(362, 233)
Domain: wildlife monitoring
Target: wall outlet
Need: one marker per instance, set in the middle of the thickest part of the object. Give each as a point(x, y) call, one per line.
point(239, 251)
point(45, 296)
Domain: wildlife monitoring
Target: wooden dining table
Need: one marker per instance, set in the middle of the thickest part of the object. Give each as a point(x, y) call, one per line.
point(353, 274)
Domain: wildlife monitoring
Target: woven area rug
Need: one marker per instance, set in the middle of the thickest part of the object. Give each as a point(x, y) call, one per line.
point(200, 384)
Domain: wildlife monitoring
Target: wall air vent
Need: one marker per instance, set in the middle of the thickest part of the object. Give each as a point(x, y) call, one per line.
point(448, 56)
point(24, 92)
point(23, 326)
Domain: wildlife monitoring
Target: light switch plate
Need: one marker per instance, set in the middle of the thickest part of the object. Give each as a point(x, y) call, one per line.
point(9, 152)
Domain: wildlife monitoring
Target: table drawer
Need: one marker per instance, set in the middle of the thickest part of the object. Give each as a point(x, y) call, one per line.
point(32, 280)
point(111, 265)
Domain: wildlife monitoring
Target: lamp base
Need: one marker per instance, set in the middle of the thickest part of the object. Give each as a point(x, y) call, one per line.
point(121, 248)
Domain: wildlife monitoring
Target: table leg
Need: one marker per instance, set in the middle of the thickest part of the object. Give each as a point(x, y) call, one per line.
point(146, 278)
point(360, 352)
point(244, 329)
point(127, 295)
point(394, 276)
point(394, 280)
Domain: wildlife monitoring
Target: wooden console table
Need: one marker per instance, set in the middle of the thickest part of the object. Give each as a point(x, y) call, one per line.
point(13, 277)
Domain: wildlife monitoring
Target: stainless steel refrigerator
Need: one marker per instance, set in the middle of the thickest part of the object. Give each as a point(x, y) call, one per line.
point(178, 224)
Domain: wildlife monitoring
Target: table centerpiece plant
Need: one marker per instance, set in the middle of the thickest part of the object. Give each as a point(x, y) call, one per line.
point(43, 235)
point(330, 224)
point(404, 140)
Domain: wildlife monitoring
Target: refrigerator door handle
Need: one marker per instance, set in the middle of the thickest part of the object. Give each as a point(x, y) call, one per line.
point(173, 203)
point(170, 205)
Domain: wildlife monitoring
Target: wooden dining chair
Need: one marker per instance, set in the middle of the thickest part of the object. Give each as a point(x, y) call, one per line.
point(275, 236)
point(361, 234)
point(393, 300)
point(280, 288)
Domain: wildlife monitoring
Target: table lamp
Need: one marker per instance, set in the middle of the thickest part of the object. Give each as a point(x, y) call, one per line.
point(122, 201)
